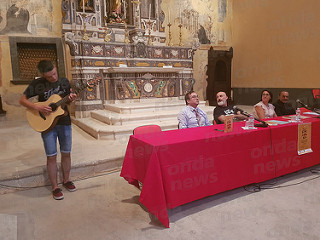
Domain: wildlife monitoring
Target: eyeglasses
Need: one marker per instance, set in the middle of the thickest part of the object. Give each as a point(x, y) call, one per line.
point(194, 96)
point(265, 94)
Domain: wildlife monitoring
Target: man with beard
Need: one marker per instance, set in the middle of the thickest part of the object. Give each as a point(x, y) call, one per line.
point(223, 109)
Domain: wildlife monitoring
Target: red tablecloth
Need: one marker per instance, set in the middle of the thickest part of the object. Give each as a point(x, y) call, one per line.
point(180, 166)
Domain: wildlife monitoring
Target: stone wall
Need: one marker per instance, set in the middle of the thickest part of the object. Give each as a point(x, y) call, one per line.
point(29, 19)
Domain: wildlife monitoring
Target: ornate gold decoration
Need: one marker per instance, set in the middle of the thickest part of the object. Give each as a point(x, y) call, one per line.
point(170, 36)
point(85, 35)
point(180, 34)
point(126, 34)
point(107, 37)
point(150, 23)
point(137, 15)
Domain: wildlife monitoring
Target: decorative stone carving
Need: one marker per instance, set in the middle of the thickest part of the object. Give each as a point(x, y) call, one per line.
point(98, 13)
point(140, 50)
point(147, 87)
point(137, 36)
point(69, 39)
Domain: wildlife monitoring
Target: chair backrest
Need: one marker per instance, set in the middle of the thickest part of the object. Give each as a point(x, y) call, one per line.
point(316, 93)
point(146, 129)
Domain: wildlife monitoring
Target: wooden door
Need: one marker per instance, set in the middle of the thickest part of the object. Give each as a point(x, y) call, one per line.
point(219, 73)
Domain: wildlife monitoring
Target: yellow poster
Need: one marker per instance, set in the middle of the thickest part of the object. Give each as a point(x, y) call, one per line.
point(304, 138)
point(228, 123)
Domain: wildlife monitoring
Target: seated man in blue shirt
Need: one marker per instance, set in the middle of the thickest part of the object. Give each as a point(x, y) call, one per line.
point(191, 115)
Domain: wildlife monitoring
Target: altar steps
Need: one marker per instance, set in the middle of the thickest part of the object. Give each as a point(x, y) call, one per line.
point(146, 117)
point(155, 106)
point(117, 121)
point(104, 131)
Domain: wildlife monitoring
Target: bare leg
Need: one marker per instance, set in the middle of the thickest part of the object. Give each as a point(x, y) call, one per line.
point(66, 166)
point(52, 171)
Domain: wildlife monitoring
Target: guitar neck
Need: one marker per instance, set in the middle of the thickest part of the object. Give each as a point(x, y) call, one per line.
point(63, 101)
point(66, 98)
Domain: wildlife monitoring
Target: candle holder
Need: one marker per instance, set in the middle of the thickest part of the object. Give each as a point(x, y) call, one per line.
point(107, 37)
point(137, 15)
point(126, 34)
point(180, 34)
point(85, 35)
point(150, 23)
point(170, 36)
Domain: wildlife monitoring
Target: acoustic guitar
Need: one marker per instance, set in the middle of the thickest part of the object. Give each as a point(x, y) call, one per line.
point(44, 123)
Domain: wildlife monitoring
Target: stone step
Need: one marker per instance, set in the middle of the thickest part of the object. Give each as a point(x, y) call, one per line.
point(100, 130)
point(117, 121)
point(113, 118)
point(152, 106)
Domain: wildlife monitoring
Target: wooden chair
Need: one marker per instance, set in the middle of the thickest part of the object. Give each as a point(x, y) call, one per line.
point(146, 129)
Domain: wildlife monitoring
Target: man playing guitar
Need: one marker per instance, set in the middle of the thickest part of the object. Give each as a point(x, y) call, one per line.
point(44, 87)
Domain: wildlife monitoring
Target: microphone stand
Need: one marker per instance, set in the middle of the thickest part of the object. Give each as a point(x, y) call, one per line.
point(315, 110)
point(261, 124)
point(303, 105)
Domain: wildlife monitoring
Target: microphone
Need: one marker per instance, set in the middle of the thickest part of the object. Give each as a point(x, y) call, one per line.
point(236, 109)
point(264, 124)
point(302, 104)
point(309, 108)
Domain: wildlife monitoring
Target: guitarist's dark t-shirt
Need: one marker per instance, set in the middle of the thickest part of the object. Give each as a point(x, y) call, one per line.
point(43, 89)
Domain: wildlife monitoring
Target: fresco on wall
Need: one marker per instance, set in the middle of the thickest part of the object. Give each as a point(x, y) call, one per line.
point(25, 16)
point(199, 18)
point(203, 39)
point(222, 10)
point(17, 20)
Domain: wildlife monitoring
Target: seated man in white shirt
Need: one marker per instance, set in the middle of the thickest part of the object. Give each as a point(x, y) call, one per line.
point(191, 115)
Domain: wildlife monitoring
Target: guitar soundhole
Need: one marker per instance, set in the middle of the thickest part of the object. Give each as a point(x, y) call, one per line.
point(53, 107)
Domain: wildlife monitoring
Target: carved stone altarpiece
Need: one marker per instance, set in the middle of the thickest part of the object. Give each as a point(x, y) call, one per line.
point(127, 51)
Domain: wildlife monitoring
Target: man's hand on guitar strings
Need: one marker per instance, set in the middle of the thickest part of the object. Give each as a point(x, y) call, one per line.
point(72, 96)
point(46, 110)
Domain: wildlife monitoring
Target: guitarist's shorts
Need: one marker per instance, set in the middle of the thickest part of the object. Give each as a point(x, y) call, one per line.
point(61, 132)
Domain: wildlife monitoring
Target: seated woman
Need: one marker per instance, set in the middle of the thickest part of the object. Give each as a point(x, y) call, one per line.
point(264, 109)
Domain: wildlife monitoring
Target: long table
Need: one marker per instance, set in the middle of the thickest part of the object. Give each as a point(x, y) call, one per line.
point(180, 166)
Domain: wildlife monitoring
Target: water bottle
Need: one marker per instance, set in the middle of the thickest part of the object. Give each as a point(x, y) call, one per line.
point(247, 124)
point(298, 115)
point(251, 121)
